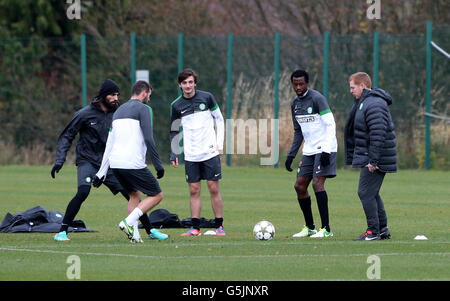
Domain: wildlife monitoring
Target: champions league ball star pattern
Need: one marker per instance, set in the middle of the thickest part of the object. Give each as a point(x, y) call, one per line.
point(264, 230)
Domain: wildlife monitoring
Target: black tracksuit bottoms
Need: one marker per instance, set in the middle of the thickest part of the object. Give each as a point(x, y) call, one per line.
point(368, 192)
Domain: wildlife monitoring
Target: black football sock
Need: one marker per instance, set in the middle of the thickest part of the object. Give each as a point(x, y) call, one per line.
point(145, 221)
point(64, 227)
point(196, 223)
point(305, 205)
point(74, 206)
point(218, 221)
point(322, 203)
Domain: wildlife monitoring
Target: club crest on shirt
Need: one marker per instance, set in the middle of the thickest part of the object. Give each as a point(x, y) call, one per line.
point(202, 106)
point(309, 110)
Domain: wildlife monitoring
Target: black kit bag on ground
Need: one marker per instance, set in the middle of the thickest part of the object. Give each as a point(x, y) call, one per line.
point(204, 223)
point(162, 218)
point(38, 219)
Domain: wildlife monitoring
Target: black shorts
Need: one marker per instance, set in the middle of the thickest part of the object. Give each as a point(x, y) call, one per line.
point(138, 180)
point(209, 170)
point(86, 172)
point(311, 168)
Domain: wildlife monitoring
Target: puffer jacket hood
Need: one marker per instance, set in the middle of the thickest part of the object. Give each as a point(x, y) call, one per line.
point(377, 92)
point(369, 133)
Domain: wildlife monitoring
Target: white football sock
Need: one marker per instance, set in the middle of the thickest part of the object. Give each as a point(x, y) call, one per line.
point(134, 216)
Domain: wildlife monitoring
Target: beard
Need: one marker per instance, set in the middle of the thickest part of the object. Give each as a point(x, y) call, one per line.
point(146, 100)
point(111, 105)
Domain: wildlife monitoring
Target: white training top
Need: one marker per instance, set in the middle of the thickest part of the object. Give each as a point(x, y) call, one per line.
point(201, 141)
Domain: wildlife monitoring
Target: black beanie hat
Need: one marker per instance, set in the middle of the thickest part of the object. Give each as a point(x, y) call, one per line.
point(108, 87)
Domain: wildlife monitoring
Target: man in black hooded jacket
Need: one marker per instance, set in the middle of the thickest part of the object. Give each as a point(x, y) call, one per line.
point(370, 144)
point(92, 123)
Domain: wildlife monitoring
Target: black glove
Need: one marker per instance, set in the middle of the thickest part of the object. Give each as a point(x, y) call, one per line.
point(325, 159)
point(96, 182)
point(56, 169)
point(160, 173)
point(288, 163)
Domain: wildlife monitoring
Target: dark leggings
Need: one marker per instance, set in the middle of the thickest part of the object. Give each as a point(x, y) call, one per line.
point(75, 204)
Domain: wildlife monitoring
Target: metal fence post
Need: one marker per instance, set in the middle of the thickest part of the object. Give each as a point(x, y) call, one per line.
point(428, 96)
point(83, 71)
point(326, 50)
point(275, 144)
point(229, 94)
point(180, 68)
point(133, 58)
point(376, 58)
point(180, 52)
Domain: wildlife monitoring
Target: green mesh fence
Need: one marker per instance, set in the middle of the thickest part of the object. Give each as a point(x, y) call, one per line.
point(41, 84)
point(440, 101)
point(108, 58)
point(159, 56)
point(39, 88)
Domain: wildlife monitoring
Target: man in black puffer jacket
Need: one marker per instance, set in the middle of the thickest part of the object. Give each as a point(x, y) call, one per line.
point(370, 145)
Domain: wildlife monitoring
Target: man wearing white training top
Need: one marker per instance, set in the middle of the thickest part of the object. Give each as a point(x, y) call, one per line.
point(314, 124)
point(197, 111)
point(129, 140)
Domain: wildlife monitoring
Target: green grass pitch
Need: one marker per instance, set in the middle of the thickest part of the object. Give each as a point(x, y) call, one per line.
point(417, 203)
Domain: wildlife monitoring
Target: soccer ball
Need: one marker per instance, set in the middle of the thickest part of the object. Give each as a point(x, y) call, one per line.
point(264, 230)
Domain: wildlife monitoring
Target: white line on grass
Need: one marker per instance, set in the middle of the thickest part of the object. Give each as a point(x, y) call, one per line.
point(173, 244)
point(223, 256)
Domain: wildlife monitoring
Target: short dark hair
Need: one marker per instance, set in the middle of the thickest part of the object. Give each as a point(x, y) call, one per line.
point(185, 74)
point(140, 86)
point(300, 73)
